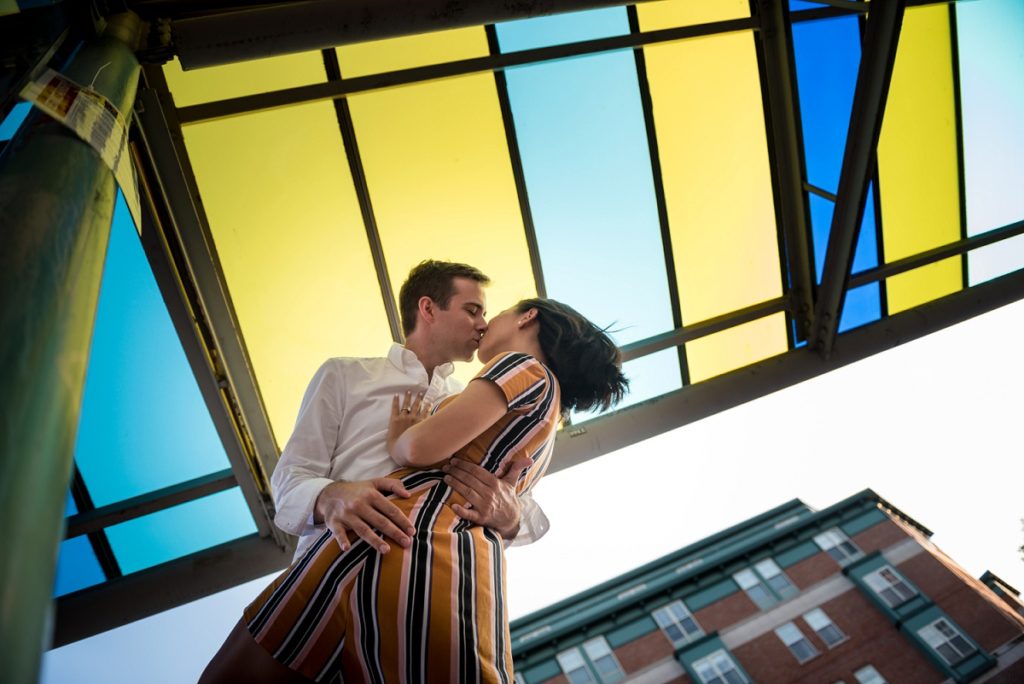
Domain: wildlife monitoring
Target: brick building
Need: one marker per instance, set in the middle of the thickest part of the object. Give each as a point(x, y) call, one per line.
point(854, 593)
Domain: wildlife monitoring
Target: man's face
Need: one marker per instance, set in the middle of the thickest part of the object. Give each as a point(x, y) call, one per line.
point(459, 327)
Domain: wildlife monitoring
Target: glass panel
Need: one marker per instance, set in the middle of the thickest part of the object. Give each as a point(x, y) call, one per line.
point(181, 530)
point(989, 36)
point(144, 424)
point(77, 566)
point(672, 13)
point(440, 178)
point(714, 163)
point(406, 52)
point(292, 246)
point(736, 347)
point(918, 160)
point(569, 27)
point(649, 376)
point(243, 78)
point(587, 165)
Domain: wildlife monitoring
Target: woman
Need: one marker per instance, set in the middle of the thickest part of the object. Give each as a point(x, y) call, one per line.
point(434, 611)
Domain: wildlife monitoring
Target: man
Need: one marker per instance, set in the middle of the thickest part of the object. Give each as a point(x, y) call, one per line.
point(331, 470)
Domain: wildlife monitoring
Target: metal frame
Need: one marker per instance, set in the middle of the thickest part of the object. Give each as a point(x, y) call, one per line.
point(786, 147)
point(362, 190)
point(614, 431)
point(181, 251)
point(878, 56)
point(132, 597)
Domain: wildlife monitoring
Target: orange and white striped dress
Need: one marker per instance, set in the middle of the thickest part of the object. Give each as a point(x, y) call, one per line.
point(433, 612)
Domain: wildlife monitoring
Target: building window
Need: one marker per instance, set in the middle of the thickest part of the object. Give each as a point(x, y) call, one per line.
point(869, 675)
point(519, 679)
point(838, 545)
point(802, 649)
point(599, 666)
point(574, 667)
point(947, 641)
point(890, 585)
point(718, 668)
point(765, 583)
point(824, 627)
point(677, 622)
point(600, 654)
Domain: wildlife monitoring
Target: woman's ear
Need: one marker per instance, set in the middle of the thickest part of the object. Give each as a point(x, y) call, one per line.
point(527, 317)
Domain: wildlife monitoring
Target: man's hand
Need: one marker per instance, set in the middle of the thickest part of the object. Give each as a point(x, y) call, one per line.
point(491, 499)
point(361, 507)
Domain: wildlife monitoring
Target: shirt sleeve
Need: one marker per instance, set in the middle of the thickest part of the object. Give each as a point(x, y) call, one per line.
point(520, 377)
point(533, 523)
point(303, 469)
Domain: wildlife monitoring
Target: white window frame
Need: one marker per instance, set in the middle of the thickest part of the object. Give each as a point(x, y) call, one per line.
point(819, 622)
point(715, 661)
point(597, 649)
point(869, 675)
point(566, 661)
point(836, 544)
point(792, 637)
point(675, 615)
point(886, 581)
point(941, 633)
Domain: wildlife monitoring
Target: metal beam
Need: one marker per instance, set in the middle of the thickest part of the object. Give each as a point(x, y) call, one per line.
point(175, 187)
point(97, 519)
point(287, 27)
point(141, 594)
point(56, 207)
point(878, 56)
point(937, 254)
point(786, 147)
point(580, 443)
point(349, 86)
point(183, 306)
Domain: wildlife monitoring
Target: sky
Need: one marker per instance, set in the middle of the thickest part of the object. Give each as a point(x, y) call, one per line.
point(933, 426)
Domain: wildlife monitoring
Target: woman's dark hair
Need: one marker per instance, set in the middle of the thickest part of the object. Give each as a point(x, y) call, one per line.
point(586, 362)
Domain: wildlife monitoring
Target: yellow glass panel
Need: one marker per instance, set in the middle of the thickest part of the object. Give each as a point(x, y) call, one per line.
point(292, 244)
point(917, 160)
point(243, 78)
point(440, 178)
point(672, 13)
point(736, 347)
point(714, 163)
point(391, 54)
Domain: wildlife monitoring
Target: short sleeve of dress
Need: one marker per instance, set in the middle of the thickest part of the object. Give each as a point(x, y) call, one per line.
point(520, 377)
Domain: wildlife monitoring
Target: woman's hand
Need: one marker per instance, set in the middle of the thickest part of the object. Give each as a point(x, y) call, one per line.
point(405, 414)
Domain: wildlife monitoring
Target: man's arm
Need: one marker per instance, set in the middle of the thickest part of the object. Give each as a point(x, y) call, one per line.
point(304, 493)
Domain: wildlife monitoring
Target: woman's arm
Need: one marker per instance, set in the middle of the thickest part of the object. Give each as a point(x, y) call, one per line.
point(469, 414)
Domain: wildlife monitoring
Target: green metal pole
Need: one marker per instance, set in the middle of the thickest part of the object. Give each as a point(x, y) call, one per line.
point(56, 207)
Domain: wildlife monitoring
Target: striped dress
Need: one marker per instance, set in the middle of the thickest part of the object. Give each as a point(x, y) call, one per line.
point(433, 612)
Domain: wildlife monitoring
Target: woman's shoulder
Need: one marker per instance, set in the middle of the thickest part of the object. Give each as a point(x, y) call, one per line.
point(523, 379)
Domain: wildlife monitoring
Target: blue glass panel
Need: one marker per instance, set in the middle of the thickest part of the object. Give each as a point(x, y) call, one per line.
point(143, 424)
point(866, 254)
point(827, 56)
point(862, 305)
point(14, 120)
point(649, 376)
point(77, 567)
point(583, 144)
point(557, 29)
point(989, 37)
point(797, 5)
point(181, 530)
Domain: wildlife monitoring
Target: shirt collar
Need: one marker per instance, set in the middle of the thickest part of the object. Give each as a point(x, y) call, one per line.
point(406, 361)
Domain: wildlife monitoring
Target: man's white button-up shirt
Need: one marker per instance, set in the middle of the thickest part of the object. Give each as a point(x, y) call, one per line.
point(341, 432)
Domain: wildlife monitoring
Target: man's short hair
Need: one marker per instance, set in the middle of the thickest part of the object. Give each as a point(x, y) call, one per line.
point(434, 279)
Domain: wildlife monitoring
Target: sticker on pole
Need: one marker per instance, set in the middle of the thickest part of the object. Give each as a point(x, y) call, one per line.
point(94, 119)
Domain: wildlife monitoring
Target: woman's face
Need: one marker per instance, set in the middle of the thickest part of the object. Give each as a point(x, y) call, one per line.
point(500, 330)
